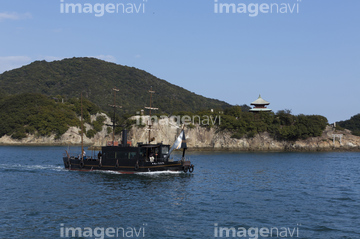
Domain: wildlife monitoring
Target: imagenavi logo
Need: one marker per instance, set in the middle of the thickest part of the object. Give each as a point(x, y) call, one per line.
point(100, 9)
point(255, 9)
point(102, 232)
point(256, 232)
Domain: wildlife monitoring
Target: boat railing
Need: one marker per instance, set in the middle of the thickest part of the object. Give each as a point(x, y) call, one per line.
point(87, 158)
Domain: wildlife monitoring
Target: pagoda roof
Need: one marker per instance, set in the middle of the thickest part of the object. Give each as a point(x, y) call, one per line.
point(260, 101)
point(260, 109)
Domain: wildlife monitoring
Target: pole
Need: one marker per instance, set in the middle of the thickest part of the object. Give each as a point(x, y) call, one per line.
point(150, 108)
point(113, 120)
point(151, 92)
point(82, 131)
point(183, 154)
point(113, 136)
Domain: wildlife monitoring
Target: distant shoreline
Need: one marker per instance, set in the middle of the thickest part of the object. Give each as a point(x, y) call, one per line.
point(200, 139)
point(273, 151)
point(208, 149)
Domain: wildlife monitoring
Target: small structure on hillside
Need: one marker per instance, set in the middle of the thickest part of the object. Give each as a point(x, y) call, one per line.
point(260, 105)
point(337, 136)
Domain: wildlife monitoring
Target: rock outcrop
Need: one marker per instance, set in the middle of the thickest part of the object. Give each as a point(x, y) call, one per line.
point(201, 138)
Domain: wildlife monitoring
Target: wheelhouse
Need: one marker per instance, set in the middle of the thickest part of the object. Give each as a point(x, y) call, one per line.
point(144, 152)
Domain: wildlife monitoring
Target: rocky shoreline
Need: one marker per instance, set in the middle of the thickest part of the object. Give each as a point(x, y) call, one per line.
point(202, 139)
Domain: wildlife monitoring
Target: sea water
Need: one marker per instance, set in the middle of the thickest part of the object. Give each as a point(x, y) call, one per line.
point(229, 195)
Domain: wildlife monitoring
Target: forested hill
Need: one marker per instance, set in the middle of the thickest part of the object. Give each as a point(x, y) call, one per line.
point(32, 113)
point(96, 78)
point(352, 124)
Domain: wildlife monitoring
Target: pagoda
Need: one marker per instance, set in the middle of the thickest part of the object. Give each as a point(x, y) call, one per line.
point(260, 105)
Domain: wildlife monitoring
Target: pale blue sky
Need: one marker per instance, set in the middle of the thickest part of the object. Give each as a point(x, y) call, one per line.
point(308, 62)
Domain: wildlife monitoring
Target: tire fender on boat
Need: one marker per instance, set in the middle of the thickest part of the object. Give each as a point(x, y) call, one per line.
point(82, 164)
point(117, 164)
point(137, 166)
point(185, 169)
point(191, 169)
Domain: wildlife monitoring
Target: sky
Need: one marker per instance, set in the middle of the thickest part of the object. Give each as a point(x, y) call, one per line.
point(302, 55)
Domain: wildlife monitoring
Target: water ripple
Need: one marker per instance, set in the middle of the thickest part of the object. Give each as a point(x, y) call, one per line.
point(318, 193)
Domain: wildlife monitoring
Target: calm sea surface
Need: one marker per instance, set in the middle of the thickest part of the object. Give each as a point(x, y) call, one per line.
point(311, 195)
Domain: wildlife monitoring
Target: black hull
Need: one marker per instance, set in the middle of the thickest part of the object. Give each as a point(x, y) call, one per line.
point(128, 167)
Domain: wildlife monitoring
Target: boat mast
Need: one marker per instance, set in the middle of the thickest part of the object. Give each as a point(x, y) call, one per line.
point(113, 120)
point(183, 143)
point(82, 130)
point(150, 108)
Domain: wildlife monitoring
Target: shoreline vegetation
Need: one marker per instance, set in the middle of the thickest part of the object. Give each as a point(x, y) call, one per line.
point(207, 149)
point(33, 119)
point(39, 105)
point(202, 139)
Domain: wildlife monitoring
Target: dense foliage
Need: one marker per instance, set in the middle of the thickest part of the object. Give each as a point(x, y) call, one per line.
point(352, 124)
point(282, 125)
point(38, 114)
point(96, 78)
point(242, 123)
point(33, 113)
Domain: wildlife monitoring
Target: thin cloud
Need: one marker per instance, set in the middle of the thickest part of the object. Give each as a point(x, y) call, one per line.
point(14, 16)
point(11, 62)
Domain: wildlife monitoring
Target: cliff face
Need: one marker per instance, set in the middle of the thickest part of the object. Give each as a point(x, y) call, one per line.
point(199, 138)
point(209, 139)
point(264, 142)
point(71, 137)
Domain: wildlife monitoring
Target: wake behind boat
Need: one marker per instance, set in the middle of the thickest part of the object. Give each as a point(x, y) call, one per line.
point(125, 158)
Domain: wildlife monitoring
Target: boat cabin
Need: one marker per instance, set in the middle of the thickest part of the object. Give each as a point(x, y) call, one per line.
point(144, 152)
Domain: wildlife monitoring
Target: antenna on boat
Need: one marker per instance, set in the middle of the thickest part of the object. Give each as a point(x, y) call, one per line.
point(113, 120)
point(183, 142)
point(82, 129)
point(150, 108)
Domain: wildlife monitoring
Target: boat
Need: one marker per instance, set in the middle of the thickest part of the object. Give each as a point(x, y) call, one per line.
point(125, 158)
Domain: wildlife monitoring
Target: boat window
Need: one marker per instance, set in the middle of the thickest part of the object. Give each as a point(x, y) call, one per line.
point(121, 155)
point(132, 155)
point(111, 155)
point(142, 152)
point(165, 150)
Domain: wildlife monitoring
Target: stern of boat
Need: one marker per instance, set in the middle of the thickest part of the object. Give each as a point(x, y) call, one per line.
point(187, 166)
point(66, 161)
